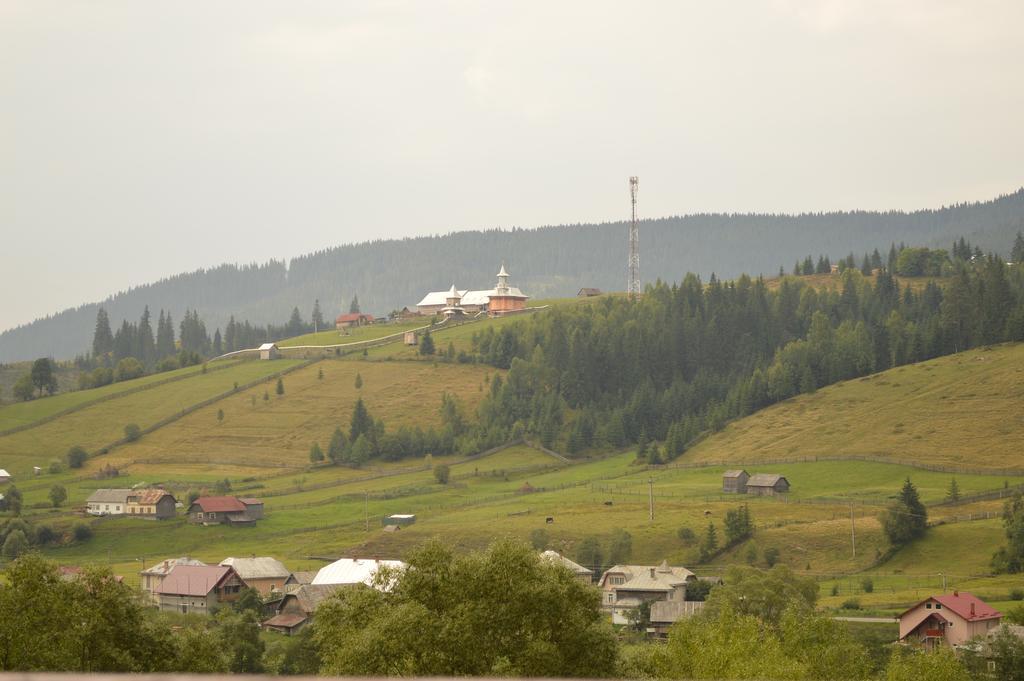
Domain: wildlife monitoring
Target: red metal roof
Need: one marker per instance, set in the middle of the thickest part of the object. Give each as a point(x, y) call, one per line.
point(219, 504)
point(352, 317)
point(194, 580)
point(966, 605)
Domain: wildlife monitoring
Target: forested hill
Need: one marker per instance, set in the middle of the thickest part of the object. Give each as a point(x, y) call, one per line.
point(544, 262)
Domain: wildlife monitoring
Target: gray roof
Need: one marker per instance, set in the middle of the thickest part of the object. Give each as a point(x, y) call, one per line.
point(558, 559)
point(258, 567)
point(165, 566)
point(310, 596)
point(304, 576)
point(109, 496)
point(734, 474)
point(765, 480)
point(649, 577)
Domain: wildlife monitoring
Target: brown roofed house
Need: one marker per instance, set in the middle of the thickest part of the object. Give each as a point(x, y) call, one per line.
point(767, 484)
point(263, 573)
point(198, 588)
point(150, 503)
point(298, 606)
point(230, 510)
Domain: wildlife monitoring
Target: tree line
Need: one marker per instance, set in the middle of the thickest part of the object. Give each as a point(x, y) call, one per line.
point(545, 262)
point(688, 357)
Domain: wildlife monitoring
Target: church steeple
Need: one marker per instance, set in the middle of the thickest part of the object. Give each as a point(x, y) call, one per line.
point(502, 288)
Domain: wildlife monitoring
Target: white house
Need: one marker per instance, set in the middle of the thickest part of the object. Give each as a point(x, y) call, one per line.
point(108, 502)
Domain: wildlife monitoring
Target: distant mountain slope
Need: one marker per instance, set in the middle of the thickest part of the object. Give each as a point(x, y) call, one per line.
point(544, 262)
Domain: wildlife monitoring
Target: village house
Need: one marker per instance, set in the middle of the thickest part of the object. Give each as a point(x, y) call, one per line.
point(585, 575)
point(297, 607)
point(626, 587)
point(767, 484)
point(269, 351)
point(735, 482)
point(355, 571)
point(198, 588)
point(152, 577)
point(107, 502)
point(666, 613)
point(949, 619)
point(263, 573)
point(230, 510)
point(150, 503)
point(347, 321)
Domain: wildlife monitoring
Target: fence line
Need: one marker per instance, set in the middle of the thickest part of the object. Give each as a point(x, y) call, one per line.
point(937, 468)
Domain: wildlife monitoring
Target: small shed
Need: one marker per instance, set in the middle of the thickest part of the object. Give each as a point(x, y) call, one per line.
point(735, 482)
point(588, 292)
point(767, 484)
point(269, 351)
point(36, 470)
point(400, 519)
point(409, 338)
point(4, 476)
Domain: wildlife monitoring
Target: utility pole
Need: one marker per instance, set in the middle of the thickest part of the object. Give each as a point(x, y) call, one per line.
point(853, 532)
point(633, 285)
point(366, 509)
point(650, 483)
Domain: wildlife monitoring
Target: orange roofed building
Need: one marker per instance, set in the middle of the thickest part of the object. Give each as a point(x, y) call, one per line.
point(950, 619)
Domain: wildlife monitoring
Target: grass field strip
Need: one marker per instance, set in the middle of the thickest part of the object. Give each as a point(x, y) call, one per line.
point(130, 390)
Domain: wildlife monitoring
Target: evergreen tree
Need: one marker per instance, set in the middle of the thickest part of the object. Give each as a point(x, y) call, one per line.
point(709, 545)
point(44, 376)
point(359, 381)
point(317, 317)
point(164, 336)
point(103, 339)
point(1017, 253)
point(427, 344)
point(316, 455)
point(295, 325)
point(218, 346)
point(145, 344)
point(337, 449)
point(353, 307)
point(907, 518)
point(280, 386)
point(953, 494)
point(362, 422)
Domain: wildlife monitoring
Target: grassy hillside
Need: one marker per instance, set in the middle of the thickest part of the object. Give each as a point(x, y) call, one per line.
point(961, 410)
point(261, 445)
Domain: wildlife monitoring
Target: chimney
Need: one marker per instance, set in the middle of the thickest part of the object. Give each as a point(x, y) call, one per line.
point(972, 609)
point(652, 573)
point(956, 594)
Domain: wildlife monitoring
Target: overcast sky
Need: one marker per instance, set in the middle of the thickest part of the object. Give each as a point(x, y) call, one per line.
point(141, 139)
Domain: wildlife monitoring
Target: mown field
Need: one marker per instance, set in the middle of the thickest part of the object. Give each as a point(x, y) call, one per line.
point(958, 411)
point(355, 335)
point(962, 410)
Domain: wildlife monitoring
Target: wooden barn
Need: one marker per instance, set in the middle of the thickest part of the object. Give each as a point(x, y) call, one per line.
point(269, 351)
point(735, 482)
point(767, 484)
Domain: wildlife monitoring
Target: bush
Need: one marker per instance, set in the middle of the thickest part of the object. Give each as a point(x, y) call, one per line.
point(687, 536)
point(81, 532)
point(868, 585)
point(442, 473)
point(127, 369)
point(850, 604)
point(76, 456)
point(55, 467)
point(835, 589)
point(45, 534)
point(132, 432)
point(771, 556)
point(168, 364)
point(1017, 594)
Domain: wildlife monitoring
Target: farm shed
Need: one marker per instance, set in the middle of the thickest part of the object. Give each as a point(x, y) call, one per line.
point(400, 519)
point(4, 476)
point(409, 338)
point(269, 351)
point(735, 482)
point(588, 292)
point(767, 484)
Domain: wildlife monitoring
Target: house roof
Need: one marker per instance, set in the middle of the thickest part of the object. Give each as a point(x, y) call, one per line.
point(558, 559)
point(194, 580)
point(765, 480)
point(966, 605)
point(219, 504)
point(310, 596)
point(734, 474)
point(649, 577)
point(258, 567)
point(353, 571)
point(164, 566)
point(439, 298)
point(286, 621)
point(251, 501)
point(4, 474)
point(268, 346)
point(304, 576)
point(353, 317)
point(149, 496)
point(587, 291)
point(109, 496)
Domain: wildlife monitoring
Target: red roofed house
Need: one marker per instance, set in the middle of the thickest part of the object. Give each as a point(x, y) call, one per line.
point(950, 618)
point(344, 321)
point(230, 510)
point(198, 588)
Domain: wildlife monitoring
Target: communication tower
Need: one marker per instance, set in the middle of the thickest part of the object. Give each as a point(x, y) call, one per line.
point(633, 285)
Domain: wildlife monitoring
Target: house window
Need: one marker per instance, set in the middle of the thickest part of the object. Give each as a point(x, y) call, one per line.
point(199, 515)
point(611, 598)
point(928, 606)
point(938, 606)
point(212, 516)
point(618, 580)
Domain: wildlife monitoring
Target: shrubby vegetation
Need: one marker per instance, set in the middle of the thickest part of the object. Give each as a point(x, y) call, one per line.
point(1010, 558)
